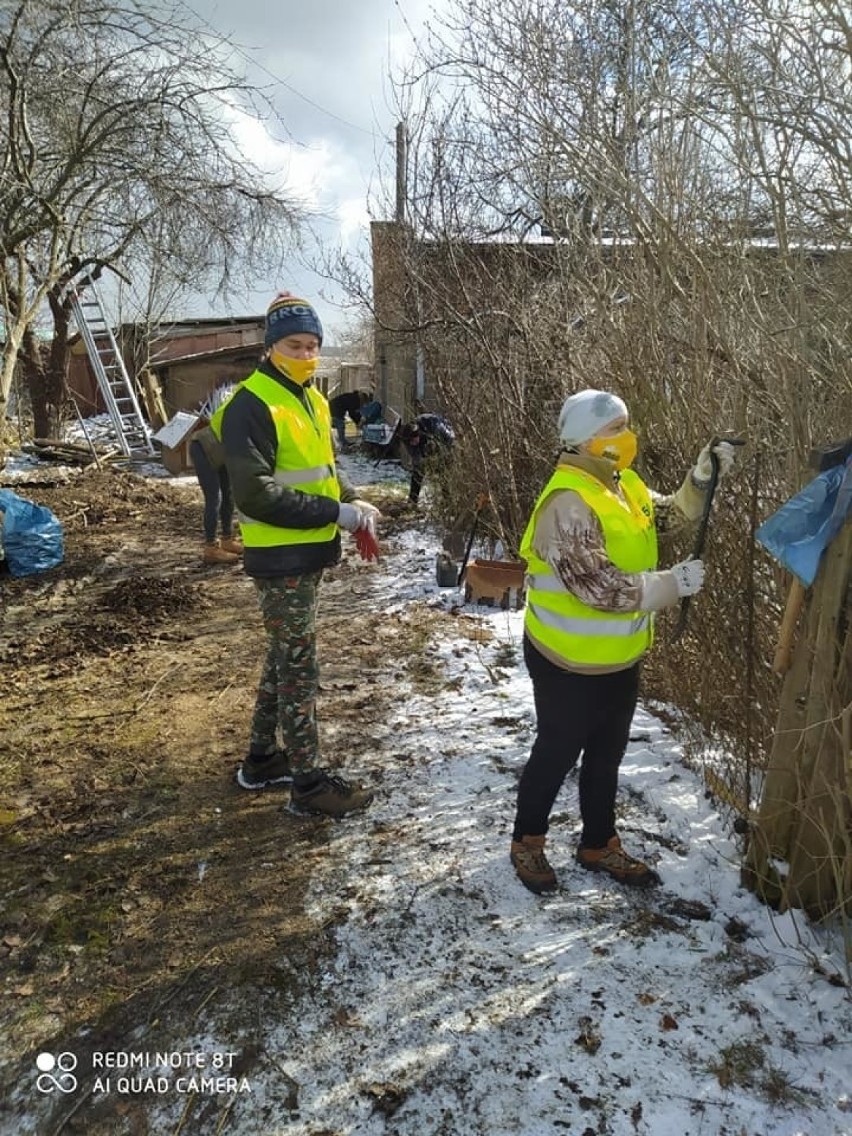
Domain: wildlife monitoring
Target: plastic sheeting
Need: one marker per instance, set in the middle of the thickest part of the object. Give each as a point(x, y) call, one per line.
point(801, 530)
point(33, 539)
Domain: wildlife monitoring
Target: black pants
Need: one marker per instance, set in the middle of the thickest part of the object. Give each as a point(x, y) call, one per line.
point(575, 713)
point(430, 452)
point(216, 487)
point(418, 472)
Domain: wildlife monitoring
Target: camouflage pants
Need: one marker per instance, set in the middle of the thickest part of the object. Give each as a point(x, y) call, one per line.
point(287, 695)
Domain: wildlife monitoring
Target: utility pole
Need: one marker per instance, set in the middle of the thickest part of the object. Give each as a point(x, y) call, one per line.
point(401, 178)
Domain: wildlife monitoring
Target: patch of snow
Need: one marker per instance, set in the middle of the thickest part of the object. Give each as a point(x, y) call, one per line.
point(21, 468)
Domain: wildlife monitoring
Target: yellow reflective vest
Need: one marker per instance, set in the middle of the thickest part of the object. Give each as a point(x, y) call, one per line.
point(215, 422)
point(555, 617)
point(304, 459)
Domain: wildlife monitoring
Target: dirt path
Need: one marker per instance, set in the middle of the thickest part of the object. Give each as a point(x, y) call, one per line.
point(133, 910)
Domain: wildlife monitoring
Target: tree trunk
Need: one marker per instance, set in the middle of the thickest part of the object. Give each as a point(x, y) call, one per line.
point(11, 349)
point(45, 376)
point(804, 816)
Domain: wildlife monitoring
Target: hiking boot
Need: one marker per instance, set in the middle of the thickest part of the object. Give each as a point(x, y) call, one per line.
point(532, 865)
point(331, 796)
point(232, 544)
point(616, 863)
point(258, 773)
point(215, 554)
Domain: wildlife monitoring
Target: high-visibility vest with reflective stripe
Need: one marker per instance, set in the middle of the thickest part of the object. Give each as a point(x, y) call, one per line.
point(215, 422)
point(560, 621)
point(304, 459)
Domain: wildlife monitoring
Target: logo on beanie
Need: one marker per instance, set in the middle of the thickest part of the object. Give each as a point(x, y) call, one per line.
point(297, 310)
point(290, 316)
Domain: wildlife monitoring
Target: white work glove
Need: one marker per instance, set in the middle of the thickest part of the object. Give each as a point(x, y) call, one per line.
point(703, 469)
point(367, 508)
point(371, 511)
point(356, 515)
point(688, 577)
point(351, 517)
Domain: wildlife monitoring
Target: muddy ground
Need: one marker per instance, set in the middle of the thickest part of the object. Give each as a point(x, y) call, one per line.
point(129, 676)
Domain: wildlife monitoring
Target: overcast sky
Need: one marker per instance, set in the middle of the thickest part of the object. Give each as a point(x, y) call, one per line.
point(326, 64)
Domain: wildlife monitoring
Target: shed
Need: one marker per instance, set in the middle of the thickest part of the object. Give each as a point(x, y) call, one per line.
point(188, 357)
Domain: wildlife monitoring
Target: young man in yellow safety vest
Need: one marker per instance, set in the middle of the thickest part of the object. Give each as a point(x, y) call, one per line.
point(591, 553)
point(291, 503)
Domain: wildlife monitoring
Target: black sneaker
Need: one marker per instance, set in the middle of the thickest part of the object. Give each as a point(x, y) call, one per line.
point(258, 773)
point(328, 795)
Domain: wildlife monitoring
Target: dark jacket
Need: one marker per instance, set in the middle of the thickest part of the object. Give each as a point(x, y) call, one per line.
point(427, 434)
point(251, 444)
point(212, 447)
point(349, 402)
point(436, 426)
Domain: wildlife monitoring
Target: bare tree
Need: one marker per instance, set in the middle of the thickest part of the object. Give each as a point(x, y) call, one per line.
point(118, 146)
point(357, 337)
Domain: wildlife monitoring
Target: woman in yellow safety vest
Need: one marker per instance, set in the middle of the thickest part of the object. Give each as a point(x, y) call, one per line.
point(592, 589)
point(208, 458)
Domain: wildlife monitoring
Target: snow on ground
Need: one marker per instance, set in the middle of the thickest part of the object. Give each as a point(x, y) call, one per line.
point(21, 467)
point(458, 1004)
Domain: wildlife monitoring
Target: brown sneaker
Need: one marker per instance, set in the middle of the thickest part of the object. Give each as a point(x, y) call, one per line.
point(330, 796)
point(531, 864)
point(215, 554)
point(615, 862)
point(232, 544)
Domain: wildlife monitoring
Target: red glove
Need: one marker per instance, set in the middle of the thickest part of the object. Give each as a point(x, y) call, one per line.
point(367, 544)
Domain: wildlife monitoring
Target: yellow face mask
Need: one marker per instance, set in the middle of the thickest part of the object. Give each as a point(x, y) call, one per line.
point(620, 448)
point(300, 371)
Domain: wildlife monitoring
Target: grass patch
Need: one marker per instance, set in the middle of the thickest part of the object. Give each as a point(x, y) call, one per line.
point(738, 1065)
point(743, 1065)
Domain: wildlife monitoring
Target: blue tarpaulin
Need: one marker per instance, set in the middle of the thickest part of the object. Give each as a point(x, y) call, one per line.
point(32, 535)
point(801, 530)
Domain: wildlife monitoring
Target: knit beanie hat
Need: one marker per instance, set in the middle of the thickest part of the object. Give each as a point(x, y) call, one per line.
point(288, 315)
point(584, 414)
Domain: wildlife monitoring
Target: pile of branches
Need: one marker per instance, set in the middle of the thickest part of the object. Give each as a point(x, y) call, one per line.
point(70, 453)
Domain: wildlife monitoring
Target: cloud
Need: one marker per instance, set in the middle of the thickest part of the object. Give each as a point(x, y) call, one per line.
point(325, 67)
point(353, 219)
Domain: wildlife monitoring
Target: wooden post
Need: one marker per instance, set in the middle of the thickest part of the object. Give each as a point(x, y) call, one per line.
point(804, 815)
point(152, 396)
point(784, 651)
point(822, 846)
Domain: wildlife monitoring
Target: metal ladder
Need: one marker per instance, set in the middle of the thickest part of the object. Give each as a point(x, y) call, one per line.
point(131, 430)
